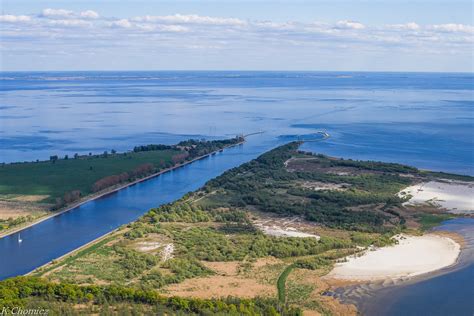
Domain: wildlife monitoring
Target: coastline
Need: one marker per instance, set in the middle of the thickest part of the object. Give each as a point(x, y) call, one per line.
point(381, 291)
point(74, 251)
point(454, 196)
point(111, 190)
point(453, 280)
point(410, 258)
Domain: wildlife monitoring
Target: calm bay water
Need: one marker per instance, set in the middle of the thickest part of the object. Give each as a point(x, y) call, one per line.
point(425, 120)
point(446, 294)
point(58, 235)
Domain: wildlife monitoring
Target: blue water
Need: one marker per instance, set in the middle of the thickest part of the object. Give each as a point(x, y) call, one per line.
point(61, 234)
point(447, 294)
point(425, 120)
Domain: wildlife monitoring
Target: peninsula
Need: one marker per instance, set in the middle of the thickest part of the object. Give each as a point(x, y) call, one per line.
point(33, 191)
point(270, 237)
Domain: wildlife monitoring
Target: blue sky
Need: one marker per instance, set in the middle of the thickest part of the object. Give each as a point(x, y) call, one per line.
point(241, 35)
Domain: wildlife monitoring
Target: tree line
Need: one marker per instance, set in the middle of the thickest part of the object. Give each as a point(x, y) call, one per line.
point(19, 291)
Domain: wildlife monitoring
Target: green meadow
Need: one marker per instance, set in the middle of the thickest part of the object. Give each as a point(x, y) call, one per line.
point(56, 178)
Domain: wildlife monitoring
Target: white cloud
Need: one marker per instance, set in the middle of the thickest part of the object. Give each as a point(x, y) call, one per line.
point(70, 23)
point(123, 23)
point(453, 28)
point(157, 27)
point(190, 19)
point(411, 26)
point(274, 25)
point(68, 14)
point(174, 28)
point(89, 14)
point(56, 13)
point(350, 25)
point(179, 32)
point(14, 18)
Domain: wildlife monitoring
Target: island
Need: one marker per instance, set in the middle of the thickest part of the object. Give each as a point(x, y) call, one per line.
point(273, 236)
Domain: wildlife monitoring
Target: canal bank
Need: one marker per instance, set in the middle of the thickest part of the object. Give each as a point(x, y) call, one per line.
point(62, 234)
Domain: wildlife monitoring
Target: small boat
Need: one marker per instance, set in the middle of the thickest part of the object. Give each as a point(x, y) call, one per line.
point(19, 239)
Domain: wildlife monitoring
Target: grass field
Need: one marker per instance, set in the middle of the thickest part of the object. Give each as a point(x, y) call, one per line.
point(29, 190)
point(55, 179)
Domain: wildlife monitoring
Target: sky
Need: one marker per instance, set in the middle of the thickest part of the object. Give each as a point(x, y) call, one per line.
point(357, 35)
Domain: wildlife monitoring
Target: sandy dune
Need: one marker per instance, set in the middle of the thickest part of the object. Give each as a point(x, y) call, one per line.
point(285, 232)
point(455, 196)
point(413, 255)
point(283, 227)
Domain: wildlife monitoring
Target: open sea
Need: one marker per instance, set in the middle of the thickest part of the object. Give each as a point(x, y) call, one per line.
point(421, 119)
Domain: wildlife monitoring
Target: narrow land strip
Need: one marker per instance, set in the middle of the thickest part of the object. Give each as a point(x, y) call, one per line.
point(111, 190)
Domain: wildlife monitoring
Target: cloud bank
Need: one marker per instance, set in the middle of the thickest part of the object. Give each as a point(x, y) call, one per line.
point(61, 34)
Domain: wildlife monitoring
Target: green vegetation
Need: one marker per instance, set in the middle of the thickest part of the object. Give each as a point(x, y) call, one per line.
point(120, 262)
point(450, 176)
point(353, 203)
point(62, 176)
point(11, 222)
point(58, 298)
point(212, 244)
point(266, 184)
point(281, 283)
point(298, 294)
point(428, 221)
point(77, 255)
point(310, 263)
point(66, 180)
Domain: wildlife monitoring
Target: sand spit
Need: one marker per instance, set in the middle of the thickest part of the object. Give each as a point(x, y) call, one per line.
point(455, 196)
point(412, 256)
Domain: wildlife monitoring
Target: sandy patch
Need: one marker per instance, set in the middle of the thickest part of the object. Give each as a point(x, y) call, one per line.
point(223, 268)
point(147, 246)
point(228, 281)
point(221, 286)
point(412, 256)
point(455, 196)
point(323, 186)
point(167, 252)
point(234, 267)
point(15, 209)
point(283, 227)
point(29, 198)
point(284, 232)
point(267, 261)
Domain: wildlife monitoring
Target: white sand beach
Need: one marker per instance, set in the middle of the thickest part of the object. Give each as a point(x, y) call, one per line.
point(412, 256)
point(455, 196)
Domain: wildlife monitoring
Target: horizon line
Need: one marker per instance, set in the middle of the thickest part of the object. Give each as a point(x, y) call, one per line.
point(246, 70)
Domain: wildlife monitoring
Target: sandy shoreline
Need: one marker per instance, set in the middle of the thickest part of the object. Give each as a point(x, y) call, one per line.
point(455, 196)
point(412, 256)
point(109, 191)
